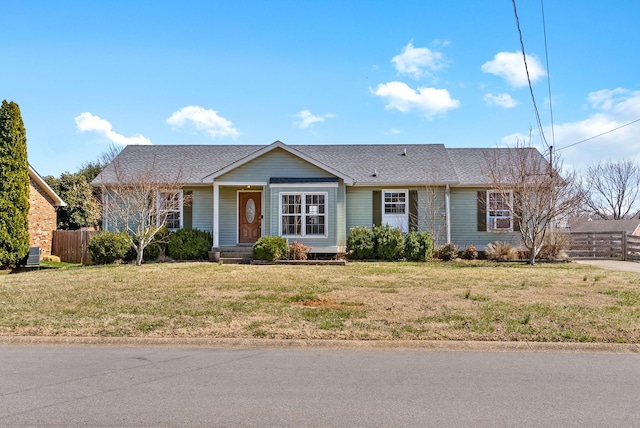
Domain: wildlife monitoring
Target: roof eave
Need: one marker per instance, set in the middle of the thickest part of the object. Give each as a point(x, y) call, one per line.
point(57, 200)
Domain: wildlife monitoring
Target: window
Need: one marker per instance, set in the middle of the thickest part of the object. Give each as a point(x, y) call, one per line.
point(395, 209)
point(303, 214)
point(499, 213)
point(395, 202)
point(170, 209)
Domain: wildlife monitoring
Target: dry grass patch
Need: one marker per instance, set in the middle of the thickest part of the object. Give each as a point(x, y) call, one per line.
point(476, 300)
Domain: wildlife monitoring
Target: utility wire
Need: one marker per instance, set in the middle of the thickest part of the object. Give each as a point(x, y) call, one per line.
point(526, 67)
point(546, 57)
point(599, 135)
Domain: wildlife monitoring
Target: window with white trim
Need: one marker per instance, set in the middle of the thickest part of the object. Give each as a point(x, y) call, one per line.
point(170, 209)
point(303, 214)
point(395, 208)
point(499, 212)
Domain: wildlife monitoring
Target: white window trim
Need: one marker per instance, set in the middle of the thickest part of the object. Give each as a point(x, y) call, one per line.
point(303, 226)
point(491, 219)
point(396, 219)
point(180, 210)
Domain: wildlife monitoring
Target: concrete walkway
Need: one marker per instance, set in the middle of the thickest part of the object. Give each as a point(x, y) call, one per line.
point(612, 264)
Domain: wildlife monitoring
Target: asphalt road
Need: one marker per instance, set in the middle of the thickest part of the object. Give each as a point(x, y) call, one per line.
point(153, 386)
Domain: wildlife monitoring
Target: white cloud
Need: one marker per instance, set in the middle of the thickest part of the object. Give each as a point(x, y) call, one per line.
point(611, 109)
point(86, 122)
point(429, 101)
point(204, 120)
point(510, 66)
point(418, 62)
point(501, 100)
point(395, 131)
point(307, 118)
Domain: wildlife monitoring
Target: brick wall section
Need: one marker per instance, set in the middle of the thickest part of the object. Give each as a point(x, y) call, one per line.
point(42, 218)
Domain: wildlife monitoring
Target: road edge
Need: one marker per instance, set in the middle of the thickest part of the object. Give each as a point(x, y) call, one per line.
point(247, 343)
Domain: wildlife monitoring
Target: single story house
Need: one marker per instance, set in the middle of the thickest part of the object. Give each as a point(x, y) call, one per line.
point(43, 203)
point(315, 194)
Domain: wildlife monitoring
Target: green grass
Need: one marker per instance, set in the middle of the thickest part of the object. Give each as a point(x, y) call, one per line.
point(474, 300)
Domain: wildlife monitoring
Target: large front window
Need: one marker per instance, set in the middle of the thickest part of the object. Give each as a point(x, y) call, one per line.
point(303, 214)
point(499, 212)
point(170, 209)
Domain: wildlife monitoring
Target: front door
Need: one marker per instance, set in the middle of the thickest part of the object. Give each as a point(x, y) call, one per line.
point(249, 217)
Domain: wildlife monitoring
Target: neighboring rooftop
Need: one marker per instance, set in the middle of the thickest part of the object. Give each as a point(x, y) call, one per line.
point(631, 227)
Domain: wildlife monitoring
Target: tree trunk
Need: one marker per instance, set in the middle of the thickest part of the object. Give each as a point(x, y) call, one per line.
point(139, 255)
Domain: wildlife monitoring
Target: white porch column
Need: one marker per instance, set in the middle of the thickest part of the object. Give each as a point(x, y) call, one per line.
point(216, 215)
point(447, 209)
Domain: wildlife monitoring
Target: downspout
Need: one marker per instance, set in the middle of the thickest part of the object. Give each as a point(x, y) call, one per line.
point(447, 208)
point(216, 215)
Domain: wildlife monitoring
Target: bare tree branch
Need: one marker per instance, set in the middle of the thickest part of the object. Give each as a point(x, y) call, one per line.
point(536, 192)
point(140, 203)
point(611, 189)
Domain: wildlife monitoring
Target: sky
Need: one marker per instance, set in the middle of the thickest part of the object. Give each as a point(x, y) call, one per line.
point(88, 74)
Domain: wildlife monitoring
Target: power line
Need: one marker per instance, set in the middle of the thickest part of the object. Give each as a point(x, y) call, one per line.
point(546, 57)
point(526, 67)
point(599, 135)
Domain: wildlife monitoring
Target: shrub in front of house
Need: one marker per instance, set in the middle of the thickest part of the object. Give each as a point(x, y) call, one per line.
point(389, 242)
point(554, 246)
point(270, 248)
point(155, 250)
point(448, 252)
point(298, 251)
point(361, 243)
point(418, 246)
point(470, 253)
point(189, 244)
point(108, 247)
point(500, 251)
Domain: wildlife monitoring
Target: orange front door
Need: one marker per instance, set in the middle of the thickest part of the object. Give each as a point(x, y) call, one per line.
point(249, 217)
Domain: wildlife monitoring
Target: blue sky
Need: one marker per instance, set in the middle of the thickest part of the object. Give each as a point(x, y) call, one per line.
point(90, 73)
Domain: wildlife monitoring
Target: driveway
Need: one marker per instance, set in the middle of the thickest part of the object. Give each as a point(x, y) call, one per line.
point(613, 265)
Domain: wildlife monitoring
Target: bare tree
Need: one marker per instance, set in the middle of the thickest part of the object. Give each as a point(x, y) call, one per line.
point(434, 209)
point(535, 192)
point(611, 189)
point(140, 204)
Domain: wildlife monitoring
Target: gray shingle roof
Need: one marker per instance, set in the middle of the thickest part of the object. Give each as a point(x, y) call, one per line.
point(592, 226)
point(378, 164)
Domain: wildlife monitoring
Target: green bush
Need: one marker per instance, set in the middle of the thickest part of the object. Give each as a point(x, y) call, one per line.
point(108, 247)
point(153, 251)
point(14, 186)
point(189, 244)
point(389, 242)
point(448, 252)
point(361, 243)
point(270, 248)
point(418, 246)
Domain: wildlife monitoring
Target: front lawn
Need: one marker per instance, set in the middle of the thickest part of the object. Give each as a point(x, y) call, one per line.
point(477, 300)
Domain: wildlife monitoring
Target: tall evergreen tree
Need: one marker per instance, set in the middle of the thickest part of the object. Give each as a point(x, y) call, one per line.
point(14, 186)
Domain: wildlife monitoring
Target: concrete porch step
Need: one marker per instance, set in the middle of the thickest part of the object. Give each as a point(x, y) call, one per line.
point(241, 254)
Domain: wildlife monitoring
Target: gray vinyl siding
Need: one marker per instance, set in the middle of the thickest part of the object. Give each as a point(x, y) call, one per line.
point(464, 228)
point(358, 208)
point(201, 208)
point(277, 163)
point(431, 213)
point(341, 218)
point(228, 216)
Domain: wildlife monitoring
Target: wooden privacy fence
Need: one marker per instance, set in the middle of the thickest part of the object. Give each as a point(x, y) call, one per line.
point(72, 246)
point(604, 245)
